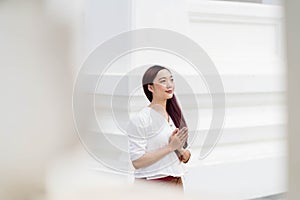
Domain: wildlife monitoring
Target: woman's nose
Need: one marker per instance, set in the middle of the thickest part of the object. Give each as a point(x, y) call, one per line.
point(169, 84)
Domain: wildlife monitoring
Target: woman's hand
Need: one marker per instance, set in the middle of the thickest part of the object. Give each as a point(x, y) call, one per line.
point(183, 155)
point(178, 138)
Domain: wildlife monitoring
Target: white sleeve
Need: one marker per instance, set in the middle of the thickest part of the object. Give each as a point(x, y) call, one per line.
point(137, 141)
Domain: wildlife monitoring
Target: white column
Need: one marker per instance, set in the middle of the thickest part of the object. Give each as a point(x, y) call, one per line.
point(293, 63)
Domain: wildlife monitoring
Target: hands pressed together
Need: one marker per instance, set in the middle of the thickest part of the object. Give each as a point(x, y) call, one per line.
point(178, 138)
point(177, 141)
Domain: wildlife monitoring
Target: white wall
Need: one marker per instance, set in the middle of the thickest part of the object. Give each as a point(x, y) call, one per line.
point(246, 43)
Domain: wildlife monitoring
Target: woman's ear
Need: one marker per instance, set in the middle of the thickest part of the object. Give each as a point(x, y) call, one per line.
point(150, 88)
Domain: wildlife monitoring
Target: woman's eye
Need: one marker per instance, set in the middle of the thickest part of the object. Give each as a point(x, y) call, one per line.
point(172, 79)
point(163, 81)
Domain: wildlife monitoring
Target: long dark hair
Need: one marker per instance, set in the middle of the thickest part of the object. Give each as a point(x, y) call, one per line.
point(172, 106)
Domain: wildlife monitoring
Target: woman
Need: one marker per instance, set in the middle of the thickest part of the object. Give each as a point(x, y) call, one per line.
point(158, 133)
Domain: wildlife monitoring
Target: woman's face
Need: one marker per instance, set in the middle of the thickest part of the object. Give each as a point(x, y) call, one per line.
point(163, 85)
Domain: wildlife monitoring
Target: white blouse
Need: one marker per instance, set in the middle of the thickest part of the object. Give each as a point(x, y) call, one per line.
point(147, 131)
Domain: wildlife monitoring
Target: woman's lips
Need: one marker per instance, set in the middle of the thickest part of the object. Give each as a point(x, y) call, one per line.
point(169, 91)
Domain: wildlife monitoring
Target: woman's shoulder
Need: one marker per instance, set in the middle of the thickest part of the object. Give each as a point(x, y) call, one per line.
point(141, 115)
point(139, 120)
point(147, 119)
point(148, 116)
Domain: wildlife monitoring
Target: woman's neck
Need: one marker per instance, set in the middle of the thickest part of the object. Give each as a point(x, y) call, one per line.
point(162, 103)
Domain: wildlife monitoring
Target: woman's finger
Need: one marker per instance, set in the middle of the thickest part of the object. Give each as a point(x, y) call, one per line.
point(184, 139)
point(175, 131)
point(183, 133)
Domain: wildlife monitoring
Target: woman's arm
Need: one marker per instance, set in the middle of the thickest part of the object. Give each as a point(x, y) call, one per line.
point(149, 158)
